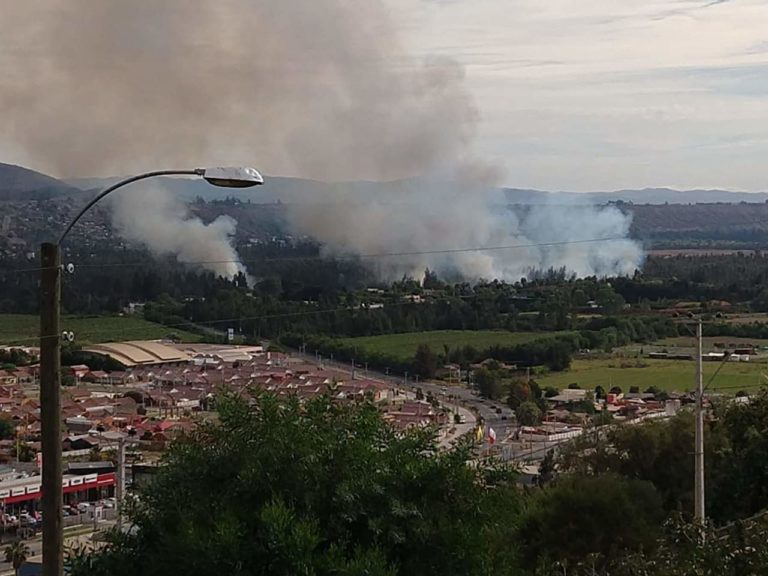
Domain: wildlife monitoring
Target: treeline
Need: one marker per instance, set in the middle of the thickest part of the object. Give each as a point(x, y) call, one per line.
point(735, 278)
point(552, 351)
point(555, 352)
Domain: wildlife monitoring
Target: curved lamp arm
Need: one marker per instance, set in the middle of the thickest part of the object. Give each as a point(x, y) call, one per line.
point(195, 172)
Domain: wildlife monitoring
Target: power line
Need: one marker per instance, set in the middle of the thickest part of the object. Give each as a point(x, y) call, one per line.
point(192, 324)
point(349, 257)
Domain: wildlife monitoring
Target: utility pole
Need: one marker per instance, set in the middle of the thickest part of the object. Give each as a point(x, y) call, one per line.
point(50, 409)
point(120, 480)
point(699, 512)
point(50, 354)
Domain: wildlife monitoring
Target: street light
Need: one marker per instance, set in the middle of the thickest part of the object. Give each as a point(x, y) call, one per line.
point(50, 355)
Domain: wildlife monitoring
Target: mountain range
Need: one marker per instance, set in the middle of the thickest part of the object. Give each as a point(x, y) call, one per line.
point(18, 183)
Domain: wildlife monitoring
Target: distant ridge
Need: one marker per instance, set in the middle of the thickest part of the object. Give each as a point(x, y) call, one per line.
point(644, 196)
point(18, 183)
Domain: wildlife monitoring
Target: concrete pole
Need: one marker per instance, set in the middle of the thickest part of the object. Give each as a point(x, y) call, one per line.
point(700, 511)
point(50, 409)
point(120, 480)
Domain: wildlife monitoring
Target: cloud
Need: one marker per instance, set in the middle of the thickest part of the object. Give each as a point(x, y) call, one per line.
point(612, 93)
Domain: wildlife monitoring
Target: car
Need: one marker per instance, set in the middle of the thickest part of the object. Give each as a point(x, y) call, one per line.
point(11, 519)
point(83, 507)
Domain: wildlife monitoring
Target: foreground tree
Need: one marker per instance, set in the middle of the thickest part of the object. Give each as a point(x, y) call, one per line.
point(279, 488)
point(16, 554)
point(685, 550)
point(577, 517)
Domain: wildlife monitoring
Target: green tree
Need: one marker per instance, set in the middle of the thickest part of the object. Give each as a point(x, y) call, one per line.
point(279, 488)
point(16, 554)
point(22, 451)
point(7, 429)
point(579, 516)
point(559, 356)
point(519, 392)
point(489, 383)
point(528, 414)
point(425, 361)
point(610, 301)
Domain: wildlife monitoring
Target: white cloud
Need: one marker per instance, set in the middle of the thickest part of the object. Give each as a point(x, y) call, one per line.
point(604, 94)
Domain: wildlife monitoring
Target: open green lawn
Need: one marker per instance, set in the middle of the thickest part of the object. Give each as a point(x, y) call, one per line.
point(24, 329)
point(404, 346)
point(670, 375)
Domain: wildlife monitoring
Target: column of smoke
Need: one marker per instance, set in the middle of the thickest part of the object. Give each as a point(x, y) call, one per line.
point(151, 215)
point(316, 88)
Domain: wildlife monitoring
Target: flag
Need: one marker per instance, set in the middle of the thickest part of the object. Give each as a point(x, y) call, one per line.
point(491, 436)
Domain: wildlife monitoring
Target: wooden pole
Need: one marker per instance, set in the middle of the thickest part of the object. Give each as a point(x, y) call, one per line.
point(50, 409)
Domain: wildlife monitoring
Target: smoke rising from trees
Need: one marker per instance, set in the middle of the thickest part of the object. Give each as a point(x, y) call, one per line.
point(152, 216)
point(321, 89)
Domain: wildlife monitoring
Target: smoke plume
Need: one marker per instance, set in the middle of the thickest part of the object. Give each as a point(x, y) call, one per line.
point(153, 217)
point(323, 89)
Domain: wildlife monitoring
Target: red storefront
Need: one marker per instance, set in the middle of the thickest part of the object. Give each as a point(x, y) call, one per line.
point(26, 492)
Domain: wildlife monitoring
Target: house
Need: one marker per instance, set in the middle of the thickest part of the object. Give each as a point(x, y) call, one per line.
point(96, 376)
point(78, 371)
point(80, 442)
point(569, 396)
point(78, 425)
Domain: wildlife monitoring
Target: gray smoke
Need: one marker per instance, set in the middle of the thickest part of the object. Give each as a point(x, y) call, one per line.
point(446, 226)
point(317, 88)
point(154, 217)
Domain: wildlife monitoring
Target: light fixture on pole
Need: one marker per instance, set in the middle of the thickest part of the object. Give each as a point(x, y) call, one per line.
point(50, 355)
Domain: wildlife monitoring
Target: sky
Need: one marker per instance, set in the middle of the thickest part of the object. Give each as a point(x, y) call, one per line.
point(577, 95)
point(609, 94)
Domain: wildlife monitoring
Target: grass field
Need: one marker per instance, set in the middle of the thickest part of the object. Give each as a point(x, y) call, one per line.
point(24, 329)
point(404, 346)
point(670, 375)
point(709, 342)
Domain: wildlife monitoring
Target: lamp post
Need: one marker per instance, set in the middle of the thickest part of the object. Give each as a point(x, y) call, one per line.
point(50, 355)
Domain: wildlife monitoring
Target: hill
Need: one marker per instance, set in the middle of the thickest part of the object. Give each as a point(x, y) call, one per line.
point(18, 184)
point(644, 196)
point(723, 225)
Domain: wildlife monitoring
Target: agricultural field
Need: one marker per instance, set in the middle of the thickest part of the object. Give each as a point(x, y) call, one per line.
point(24, 329)
point(669, 375)
point(403, 346)
point(689, 342)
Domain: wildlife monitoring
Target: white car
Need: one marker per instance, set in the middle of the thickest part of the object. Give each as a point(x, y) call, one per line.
point(83, 507)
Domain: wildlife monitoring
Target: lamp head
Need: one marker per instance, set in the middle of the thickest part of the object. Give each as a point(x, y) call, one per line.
point(232, 176)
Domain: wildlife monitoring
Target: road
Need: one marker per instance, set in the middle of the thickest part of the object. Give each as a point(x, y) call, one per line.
point(74, 537)
point(493, 414)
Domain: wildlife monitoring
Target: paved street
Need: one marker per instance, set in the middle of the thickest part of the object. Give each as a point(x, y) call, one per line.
point(74, 536)
point(494, 414)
